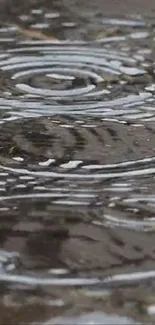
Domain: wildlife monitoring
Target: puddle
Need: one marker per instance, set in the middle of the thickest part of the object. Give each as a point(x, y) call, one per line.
point(77, 166)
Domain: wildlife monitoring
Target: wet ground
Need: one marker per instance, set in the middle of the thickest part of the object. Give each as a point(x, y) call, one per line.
point(77, 162)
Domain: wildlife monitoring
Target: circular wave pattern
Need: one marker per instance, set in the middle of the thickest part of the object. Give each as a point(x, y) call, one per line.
point(74, 162)
point(73, 183)
point(72, 148)
point(52, 167)
point(85, 80)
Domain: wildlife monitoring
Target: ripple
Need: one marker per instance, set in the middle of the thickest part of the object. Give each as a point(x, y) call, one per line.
point(77, 179)
point(47, 282)
point(81, 163)
point(70, 79)
point(124, 22)
point(132, 212)
point(72, 161)
point(91, 318)
point(74, 148)
point(77, 170)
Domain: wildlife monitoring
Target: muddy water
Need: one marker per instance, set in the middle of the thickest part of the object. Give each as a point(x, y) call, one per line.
point(77, 166)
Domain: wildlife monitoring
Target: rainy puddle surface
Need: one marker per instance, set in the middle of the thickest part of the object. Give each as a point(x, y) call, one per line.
point(77, 171)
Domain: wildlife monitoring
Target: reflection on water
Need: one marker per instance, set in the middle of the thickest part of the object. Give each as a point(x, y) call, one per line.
point(77, 175)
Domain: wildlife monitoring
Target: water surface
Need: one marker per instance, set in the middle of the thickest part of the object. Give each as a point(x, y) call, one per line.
point(77, 169)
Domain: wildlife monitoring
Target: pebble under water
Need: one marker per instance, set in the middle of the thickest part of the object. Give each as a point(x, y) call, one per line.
point(77, 170)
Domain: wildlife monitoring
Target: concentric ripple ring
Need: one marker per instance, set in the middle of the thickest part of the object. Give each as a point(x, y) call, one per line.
point(74, 80)
point(79, 150)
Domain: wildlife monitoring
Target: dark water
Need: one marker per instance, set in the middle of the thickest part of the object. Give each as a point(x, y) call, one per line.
point(77, 166)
